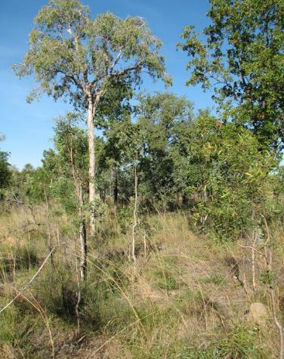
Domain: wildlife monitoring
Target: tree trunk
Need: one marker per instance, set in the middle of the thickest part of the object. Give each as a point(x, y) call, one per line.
point(81, 213)
point(91, 144)
point(83, 254)
point(83, 238)
point(115, 187)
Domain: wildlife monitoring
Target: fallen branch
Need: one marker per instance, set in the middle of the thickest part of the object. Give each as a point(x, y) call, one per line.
point(29, 282)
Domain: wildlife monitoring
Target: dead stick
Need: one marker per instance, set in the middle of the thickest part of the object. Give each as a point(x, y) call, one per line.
point(29, 282)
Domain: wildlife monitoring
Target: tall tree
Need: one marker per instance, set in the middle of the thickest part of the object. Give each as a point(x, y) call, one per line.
point(241, 57)
point(76, 57)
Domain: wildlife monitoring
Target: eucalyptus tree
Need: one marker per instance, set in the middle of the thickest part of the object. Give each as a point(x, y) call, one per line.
point(163, 118)
point(81, 59)
point(241, 59)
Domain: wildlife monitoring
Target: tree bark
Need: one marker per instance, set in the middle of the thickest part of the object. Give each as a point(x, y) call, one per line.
point(91, 146)
point(83, 238)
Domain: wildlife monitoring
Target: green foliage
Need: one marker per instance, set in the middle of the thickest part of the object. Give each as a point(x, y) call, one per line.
point(104, 306)
point(229, 177)
point(279, 179)
point(5, 171)
point(71, 144)
point(241, 58)
point(63, 192)
point(151, 144)
point(125, 215)
point(161, 118)
point(267, 277)
point(66, 166)
point(25, 257)
point(72, 55)
point(224, 172)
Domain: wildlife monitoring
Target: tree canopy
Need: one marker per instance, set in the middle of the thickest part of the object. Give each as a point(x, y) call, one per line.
point(72, 55)
point(241, 58)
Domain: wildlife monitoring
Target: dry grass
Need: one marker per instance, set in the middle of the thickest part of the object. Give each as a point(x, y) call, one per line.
point(182, 301)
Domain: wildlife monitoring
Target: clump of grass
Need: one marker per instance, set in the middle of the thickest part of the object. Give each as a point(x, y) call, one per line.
point(15, 259)
point(165, 280)
point(57, 291)
point(166, 272)
point(8, 326)
point(190, 303)
point(241, 342)
point(216, 279)
point(20, 330)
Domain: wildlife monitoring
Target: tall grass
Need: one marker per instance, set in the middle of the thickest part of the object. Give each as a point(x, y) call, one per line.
point(181, 301)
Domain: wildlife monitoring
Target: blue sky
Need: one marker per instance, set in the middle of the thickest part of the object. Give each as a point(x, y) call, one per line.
point(28, 127)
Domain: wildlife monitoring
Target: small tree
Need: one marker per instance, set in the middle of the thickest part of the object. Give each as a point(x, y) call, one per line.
point(76, 57)
point(71, 145)
point(229, 178)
